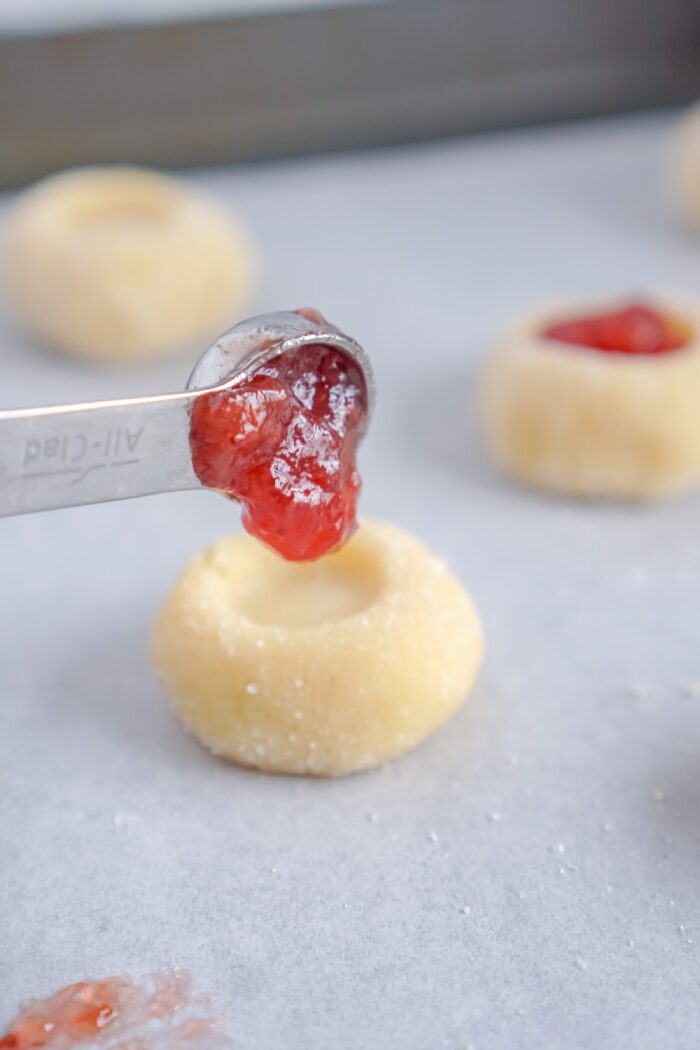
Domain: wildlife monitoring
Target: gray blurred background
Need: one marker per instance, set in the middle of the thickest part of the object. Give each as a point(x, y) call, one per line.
point(176, 83)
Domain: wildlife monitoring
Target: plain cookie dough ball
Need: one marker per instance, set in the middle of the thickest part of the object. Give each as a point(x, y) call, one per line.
point(120, 263)
point(327, 667)
point(584, 422)
point(685, 166)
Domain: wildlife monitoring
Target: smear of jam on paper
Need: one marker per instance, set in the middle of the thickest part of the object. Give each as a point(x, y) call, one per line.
point(118, 1014)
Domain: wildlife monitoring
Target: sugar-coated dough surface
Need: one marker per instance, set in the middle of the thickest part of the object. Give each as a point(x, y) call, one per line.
point(587, 423)
point(685, 166)
point(119, 263)
point(325, 668)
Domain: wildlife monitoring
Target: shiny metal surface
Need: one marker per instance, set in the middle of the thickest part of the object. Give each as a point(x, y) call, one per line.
point(69, 455)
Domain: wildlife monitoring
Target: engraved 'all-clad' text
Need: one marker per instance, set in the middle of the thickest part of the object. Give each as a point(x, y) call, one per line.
point(79, 455)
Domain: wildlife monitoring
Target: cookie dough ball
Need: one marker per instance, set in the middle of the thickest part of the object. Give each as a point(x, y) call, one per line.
point(327, 667)
point(685, 166)
point(583, 422)
point(121, 263)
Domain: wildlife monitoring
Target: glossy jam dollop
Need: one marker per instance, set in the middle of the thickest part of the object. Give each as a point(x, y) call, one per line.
point(284, 443)
point(118, 1014)
point(633, 329)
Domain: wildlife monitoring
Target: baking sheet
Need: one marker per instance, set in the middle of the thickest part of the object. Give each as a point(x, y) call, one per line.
point(561, 805)
point(41, 16)
point(287, 79)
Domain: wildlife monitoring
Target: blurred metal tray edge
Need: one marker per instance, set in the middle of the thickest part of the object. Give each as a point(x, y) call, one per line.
point(308, 80)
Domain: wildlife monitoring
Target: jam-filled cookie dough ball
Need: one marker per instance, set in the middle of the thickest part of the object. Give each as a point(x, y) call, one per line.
point(685, 166)
point(120, 263)
point(599, 401)
point(324, 668)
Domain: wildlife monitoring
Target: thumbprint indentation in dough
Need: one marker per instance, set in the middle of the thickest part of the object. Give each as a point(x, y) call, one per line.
point(139, 203)
point(304, 596)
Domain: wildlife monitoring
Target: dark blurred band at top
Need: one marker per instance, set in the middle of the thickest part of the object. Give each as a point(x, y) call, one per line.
point(283, 83)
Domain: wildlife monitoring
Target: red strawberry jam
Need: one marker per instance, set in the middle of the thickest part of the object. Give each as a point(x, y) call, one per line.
point(76, 1013)
point(118, 1014)
point(284, 444)
point(633, 329)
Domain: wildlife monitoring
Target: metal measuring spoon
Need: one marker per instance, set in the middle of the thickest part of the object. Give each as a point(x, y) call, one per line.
point(70, 455)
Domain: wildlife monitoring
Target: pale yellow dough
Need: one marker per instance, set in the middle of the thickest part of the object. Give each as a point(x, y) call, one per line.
point(685, 166)
point(581, 422)
point(120, 263)
point(325, 668)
